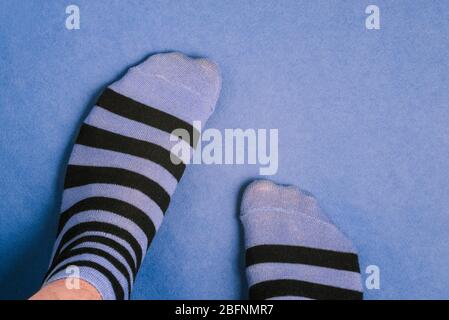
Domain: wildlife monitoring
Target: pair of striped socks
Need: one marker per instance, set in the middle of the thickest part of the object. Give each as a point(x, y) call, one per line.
point(122, 174)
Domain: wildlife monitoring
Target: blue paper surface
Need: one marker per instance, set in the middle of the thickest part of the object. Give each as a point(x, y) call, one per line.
point(363, 119)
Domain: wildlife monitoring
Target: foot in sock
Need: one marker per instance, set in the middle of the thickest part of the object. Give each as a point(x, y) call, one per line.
point(120, 176)
point(293, 251)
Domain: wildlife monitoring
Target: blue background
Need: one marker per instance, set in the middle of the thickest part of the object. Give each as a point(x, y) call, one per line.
point(363, 119)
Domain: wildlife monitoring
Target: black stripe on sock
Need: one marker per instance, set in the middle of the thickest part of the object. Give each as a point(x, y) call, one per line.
point(118, 290)
point(102, 240)
point(107, 242)
point(98, 138)
point(83, 175)
point(303, 255)
point(131, 109)
point(98, 252)
point(116, 206)
point(96, 226)
point(279, 288)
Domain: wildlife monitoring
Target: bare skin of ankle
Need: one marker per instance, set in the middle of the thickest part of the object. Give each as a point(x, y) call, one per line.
point(58, 290)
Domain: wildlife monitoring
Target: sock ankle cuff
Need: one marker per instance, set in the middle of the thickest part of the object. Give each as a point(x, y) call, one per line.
point(97, 280)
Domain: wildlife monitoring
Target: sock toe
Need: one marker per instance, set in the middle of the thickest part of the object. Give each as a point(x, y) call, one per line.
point(187, 88)
point(263, 195)
point(199, 76)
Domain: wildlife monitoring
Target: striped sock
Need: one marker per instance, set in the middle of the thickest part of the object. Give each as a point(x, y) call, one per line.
point(120, 176)
point(292, 249)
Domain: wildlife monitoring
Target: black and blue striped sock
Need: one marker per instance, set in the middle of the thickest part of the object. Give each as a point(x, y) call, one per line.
point(292, 250)
point(121, 174)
